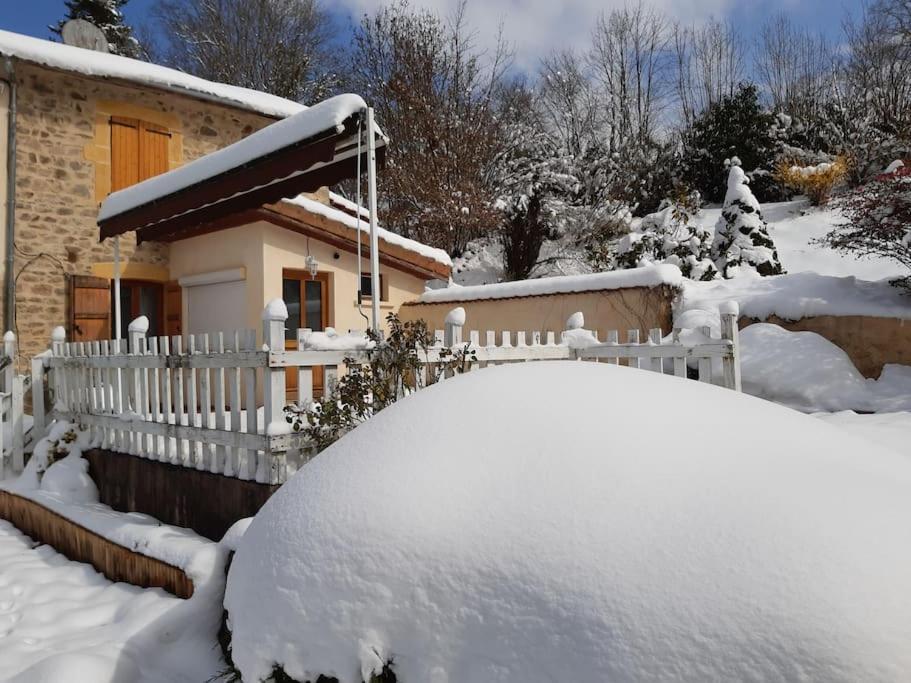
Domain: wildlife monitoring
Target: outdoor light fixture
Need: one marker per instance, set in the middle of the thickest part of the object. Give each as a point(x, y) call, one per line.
point(312, 265)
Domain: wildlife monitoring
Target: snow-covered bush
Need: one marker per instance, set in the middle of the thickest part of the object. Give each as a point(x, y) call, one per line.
point(742, 239)
point(879, 220)
point(392, 370)
point(671, 235)
point(815, 181)
point(477, 532)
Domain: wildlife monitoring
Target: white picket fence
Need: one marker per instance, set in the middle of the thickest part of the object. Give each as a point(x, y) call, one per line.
point(17, 429)
point(195, 401)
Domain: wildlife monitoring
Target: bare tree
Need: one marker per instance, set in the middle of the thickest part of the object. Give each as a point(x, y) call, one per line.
point(435, 95)
point(795, 66)
point(709, 62)
point(278, 46)
point(879, 64)
point(567, 102)
point(629, 62)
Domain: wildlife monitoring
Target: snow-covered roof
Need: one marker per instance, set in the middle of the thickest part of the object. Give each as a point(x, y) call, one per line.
point(102, 65)
point(651, 276)
point(350, 221)
point(328, 115)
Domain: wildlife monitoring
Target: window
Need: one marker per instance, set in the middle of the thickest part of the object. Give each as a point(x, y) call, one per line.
point(307, 300)
point(367, 287)
point(139, 150)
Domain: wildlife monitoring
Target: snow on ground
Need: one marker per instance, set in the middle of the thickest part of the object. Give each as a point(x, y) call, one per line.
point(805, 371)
point(710, 536)
point(794, 225)
point(89, 629)
point(892, 430)
point(62, 622)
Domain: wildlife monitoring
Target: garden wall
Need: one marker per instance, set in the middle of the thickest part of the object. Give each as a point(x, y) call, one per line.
point(205, 502)
point(869, 342)
point(625, 309)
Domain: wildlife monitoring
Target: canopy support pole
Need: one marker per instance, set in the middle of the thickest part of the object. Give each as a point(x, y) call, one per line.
point(375, 293)
point(117, 327)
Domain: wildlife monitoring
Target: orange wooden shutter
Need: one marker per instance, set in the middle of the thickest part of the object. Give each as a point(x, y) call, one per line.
point(124, 152)
point(153, 150)
point(90, 308)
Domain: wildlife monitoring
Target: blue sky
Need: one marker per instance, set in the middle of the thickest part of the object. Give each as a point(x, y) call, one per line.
point(533, 26)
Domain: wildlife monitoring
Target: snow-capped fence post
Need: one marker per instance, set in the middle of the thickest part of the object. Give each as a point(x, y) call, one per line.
point(730, 365)
point(452, 327)
point(14, 387)
point(273, 470)
point(137, 339)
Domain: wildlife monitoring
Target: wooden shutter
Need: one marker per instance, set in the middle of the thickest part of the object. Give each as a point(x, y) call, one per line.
point(153, 150)
point(173, 309)
point(124, 152)
point(139, 151)
point(90, 308)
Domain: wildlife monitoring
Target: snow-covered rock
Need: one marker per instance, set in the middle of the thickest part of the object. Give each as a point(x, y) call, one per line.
point(589, 523)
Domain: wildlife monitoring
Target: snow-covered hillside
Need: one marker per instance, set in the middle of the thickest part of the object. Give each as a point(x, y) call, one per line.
point(794, 227)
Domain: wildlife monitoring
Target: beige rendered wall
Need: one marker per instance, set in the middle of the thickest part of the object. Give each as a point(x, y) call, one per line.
point(265, 250)
point(869, 342)
point(639, 308)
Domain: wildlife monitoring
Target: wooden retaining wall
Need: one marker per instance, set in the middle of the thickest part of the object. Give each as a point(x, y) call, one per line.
point(205, 502)
point(81, 545)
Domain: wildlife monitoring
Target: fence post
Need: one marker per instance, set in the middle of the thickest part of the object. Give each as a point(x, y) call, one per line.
point(730, 365)
point(9, 350)
point(136, 334)
point(452, 327)
point(274, 317)
point(16, 388)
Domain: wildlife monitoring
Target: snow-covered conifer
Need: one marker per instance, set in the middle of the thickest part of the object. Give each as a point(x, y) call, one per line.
point(741, 236)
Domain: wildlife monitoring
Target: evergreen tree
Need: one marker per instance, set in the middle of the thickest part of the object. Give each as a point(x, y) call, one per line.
point(671, 235)
point(741, 236)
point(106, 15)
point(736, 125)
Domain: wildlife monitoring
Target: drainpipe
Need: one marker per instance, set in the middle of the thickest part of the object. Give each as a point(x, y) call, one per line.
point(9, 281)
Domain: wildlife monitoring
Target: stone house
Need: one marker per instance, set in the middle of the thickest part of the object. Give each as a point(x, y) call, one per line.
point(77, 125)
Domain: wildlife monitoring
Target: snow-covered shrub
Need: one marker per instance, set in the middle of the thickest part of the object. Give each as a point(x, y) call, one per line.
point(816, 181)
point(607, 224)
point(671, 235)
point(392, 371)
point(478, 531)
point(878, 220)
point(742, 240)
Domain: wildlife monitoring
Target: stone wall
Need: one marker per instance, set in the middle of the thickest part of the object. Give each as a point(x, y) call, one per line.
point(63, 172)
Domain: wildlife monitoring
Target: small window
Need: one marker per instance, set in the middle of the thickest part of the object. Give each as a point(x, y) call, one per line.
point(367, 287)
point(139, 151)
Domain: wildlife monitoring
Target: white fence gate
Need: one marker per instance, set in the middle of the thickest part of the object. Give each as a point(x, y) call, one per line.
point(215, 402)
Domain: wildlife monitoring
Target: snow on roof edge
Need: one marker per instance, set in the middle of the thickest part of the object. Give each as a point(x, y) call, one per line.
point(650, 276)
point(387, 236)
point(102, 65)
point(305, 124)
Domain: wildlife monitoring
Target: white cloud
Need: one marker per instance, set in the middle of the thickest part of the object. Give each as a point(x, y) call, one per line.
point(536, 27)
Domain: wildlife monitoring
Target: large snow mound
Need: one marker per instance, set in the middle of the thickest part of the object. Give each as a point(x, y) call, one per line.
point(581, 522)
point(806, 371)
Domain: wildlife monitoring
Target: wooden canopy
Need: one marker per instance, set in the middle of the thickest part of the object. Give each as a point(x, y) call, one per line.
point(302, 165)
